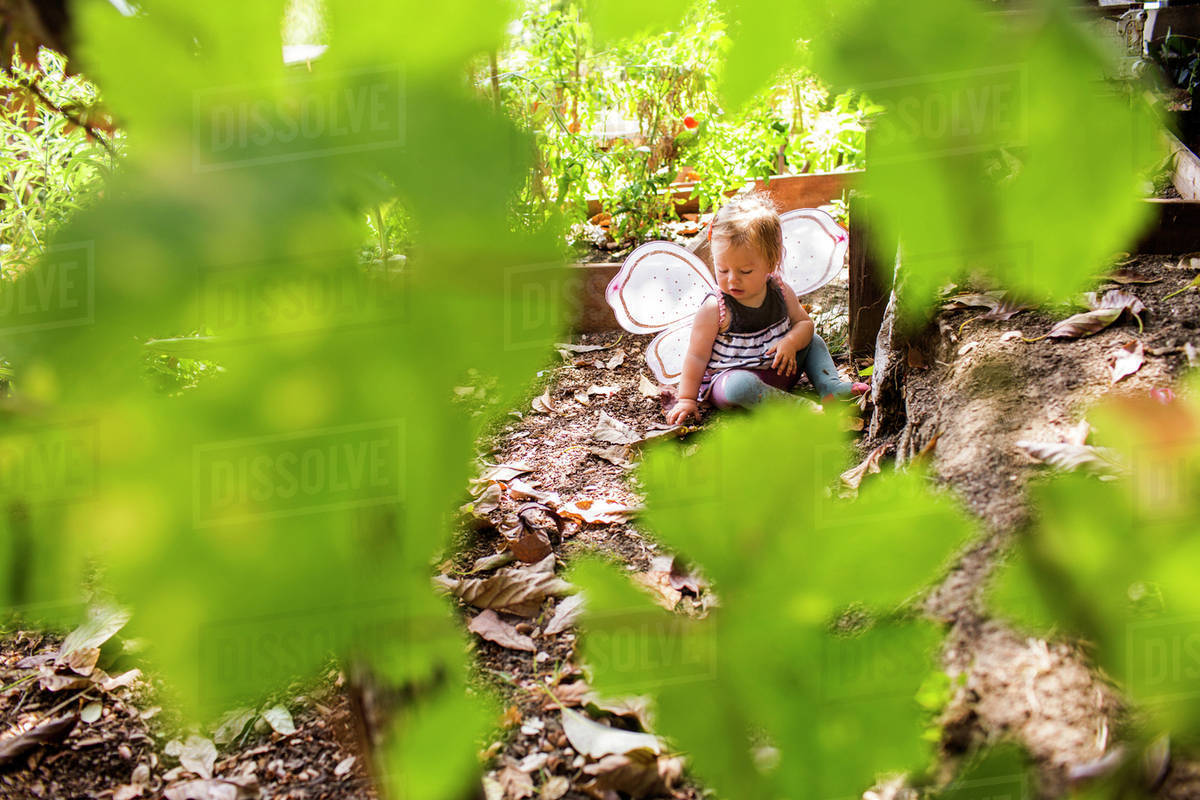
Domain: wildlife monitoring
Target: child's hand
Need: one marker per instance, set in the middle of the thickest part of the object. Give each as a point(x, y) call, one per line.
point(682, 410)
point(785, 357)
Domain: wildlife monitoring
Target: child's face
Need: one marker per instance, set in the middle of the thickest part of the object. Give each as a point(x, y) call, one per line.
point(742, 271)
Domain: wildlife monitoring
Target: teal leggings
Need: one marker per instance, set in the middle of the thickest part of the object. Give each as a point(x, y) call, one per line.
point(742, 388)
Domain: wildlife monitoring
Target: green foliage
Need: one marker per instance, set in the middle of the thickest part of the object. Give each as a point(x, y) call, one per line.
point(1000, 150)
point(49, 166)
point(575, 97)
point(810, 590)
point(290, 508)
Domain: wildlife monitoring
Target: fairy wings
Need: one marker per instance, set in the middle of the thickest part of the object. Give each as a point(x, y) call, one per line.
point(661, 285)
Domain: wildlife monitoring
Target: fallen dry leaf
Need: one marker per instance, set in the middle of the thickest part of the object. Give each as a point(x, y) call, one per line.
point(583, 348)
point(1126, 360)
point(1080, 325)
point(21, 738)
point(1126, 276)
point(542, 404)
point(197, 754)
point(517, 785)
point(659, 584)
point(593, 739)
point(1069, 457)
point(597, 510)
point(647, 387)
point(620, 455)
point(488, 625)
point(1008, 336)
point(555, 788)
point(613, 431)
point(617, 360)
point(213, 789)
point(852, 478)
point(565, 615)
point(638, 774)
point(517, 590)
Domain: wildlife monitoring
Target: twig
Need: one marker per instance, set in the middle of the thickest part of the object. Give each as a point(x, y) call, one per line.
point(70, 115)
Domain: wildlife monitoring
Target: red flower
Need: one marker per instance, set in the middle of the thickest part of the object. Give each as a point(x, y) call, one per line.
point(690, 123)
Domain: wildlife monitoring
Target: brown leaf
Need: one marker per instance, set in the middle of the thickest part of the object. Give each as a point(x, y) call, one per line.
point(1126, 276)
point(494, 629)
point(1126, 360)
point(516, 784)
point(81, 660)
point(489, 501)
point(504, 472)
point(1079, 325)
point(852, 478)
point(213, 789)
point(543, 404)
point(659, 584)
point(638, 774)
point(20, 739)
point(54, 682)
point(617, 454)
point(583, 348)
point(517, 590)
point(593, 739)
point(597, 510)
point(197, 754)
point(612, 430)
point(617, 360)
point(565, 615)
point(1069, 457)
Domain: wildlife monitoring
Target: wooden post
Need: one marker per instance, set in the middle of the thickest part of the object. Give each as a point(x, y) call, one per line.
point(869, 289)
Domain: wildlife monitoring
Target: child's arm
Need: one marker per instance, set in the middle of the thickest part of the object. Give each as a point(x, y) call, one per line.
point(704, 333)
point(798, 338)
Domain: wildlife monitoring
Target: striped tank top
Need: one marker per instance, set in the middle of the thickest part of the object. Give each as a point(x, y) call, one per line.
point(751, 331)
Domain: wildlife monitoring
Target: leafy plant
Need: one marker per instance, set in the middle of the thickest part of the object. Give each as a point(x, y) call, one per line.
point(52, 159)
point(811, 591)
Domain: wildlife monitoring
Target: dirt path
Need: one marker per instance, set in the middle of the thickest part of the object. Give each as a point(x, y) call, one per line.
point(980, 394)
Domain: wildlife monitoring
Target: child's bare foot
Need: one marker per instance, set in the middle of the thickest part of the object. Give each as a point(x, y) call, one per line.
point(857, 389)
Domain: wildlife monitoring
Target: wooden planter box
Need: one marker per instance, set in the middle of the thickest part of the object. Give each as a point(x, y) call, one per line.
point(592, 313)
point(790, 191)
point(1177, 221)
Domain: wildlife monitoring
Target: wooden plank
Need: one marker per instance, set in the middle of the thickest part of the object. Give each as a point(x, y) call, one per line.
point(869, 289)
point(1176, 229)
point(1186, 169)
point(592, 314)
point(790, 191)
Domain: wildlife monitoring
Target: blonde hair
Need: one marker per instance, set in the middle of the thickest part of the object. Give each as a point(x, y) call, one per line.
point(751, 219)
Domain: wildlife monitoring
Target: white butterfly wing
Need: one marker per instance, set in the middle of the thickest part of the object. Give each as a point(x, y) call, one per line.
point(814, 249)
point(665, 353)
point(659, 285)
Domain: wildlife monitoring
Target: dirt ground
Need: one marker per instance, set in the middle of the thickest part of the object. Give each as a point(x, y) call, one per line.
point(978, 394)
